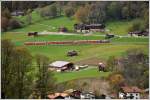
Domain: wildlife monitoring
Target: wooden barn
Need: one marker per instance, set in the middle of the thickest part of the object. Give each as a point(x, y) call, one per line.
point(139, 33)
point(61, 66)
point(89, 27)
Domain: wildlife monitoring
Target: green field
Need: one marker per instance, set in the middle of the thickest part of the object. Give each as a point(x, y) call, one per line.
point(117, 46)
point(39, 24)
point(86, 73)
point(58, 52)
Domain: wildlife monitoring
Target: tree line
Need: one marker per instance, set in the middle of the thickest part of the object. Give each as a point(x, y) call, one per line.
point(19, 78)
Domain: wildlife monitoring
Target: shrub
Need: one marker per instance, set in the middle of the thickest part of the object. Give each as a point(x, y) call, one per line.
point(137, 25)
point(14, 23)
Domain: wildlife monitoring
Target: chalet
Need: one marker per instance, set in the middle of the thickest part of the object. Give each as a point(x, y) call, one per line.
point(87, 95)
point(17, 13)
point(139, 33)
point(57, 96)
point(130, 92)
point(61, 66)
point(89, 27)
point(76, 94)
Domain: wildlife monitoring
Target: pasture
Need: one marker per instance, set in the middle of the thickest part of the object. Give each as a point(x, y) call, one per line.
point(40, 24)
point(90, 54)
point(58, 52)
point(85, 73)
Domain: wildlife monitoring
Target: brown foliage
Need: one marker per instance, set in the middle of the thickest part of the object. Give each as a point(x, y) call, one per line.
point(4, 23)
point(81, 14)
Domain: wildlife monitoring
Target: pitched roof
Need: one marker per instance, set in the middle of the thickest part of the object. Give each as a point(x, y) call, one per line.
point(53, 96)
point(59, 63)
point(133, 89)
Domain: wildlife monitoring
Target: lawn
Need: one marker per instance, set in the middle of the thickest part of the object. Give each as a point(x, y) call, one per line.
point(87, 73)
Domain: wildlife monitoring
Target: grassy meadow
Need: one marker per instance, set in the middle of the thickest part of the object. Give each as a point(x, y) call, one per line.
point(40, 24)
point(117, 46)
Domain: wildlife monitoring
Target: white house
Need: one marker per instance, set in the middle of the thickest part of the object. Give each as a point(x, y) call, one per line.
point(130, 92)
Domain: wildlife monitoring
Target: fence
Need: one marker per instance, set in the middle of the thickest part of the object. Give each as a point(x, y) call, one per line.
point(77, 42)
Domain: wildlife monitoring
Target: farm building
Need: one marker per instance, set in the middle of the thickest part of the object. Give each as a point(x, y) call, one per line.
point(139, 33)
point(101, 67)
point(57, 96)
point(130, 92)
point(61, 66)
point(89, 27)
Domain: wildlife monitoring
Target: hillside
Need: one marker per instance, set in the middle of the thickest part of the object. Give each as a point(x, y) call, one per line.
point(118, 27)
point(74, 49)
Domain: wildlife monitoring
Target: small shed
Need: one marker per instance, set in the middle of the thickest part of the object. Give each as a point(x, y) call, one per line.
point(101, 67)
point(62, 29)
point(72, 53)
point(62, 65)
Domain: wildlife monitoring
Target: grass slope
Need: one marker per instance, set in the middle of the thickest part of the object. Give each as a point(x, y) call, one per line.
point(119, 27)
point(58, 52)
point(87, 73)
point(46, 24)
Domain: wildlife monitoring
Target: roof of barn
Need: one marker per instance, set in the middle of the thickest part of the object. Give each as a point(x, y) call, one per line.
point(59, 63)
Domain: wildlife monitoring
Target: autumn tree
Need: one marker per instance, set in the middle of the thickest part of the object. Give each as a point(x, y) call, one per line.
point(81, 14)
point(69, 11)
point(6, 13)
point(4, 23)
point(116, 80)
